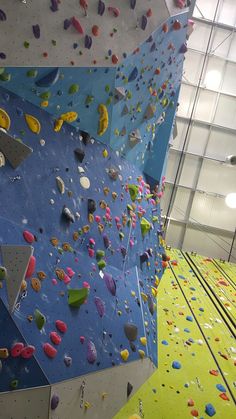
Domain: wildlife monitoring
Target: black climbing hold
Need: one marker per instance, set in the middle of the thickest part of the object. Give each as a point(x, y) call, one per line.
point(91, 206)
point(129, 388)
point(79, 154)
point(131, 331)
point(85, 137)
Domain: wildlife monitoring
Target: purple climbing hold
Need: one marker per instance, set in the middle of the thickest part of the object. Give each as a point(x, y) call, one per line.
point(54, 5)
point(3, 15)
point(91, 352)
point(101, 7)
point(87, 41)
point(106, 241)
point(132, 4)
point(54, 401)
point(67, 24)
point(153, 47)
point(36, 31)
point(183, 49)
point(3, 56)
point(110, 283)
point(143, 22)
point(133, 75)
point(123, 251)
point(100, 305)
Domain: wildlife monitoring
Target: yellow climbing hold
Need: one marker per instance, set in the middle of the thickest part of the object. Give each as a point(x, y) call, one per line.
point(44, 104)
point(33, 123)
point(103, 119)
point(5, 121)
point(134, 416)
point(143, 341)
point(58, 124)
point(124, 354)
point(69, 116)
point(105, 153)
point(87, 405)
point(144, 297)
point(141, 353)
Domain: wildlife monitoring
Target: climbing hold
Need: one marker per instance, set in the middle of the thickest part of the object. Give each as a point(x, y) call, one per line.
point(132, 4)
point(49, 79)
point(27, 352)
point(100, 305)
point(77, 297)
point(60, 184)
point(124, 354)
point(105, 153)
point(141, 353)
point(67, 361)
point(176, 25)
point(114, 11)
point(165, 28)
point(14, 384)
point(3, 15)
point(95, 30)
point(61, 326)
point(31, 267)
point(5, 120)
point(143, 23)
point(110, 283)
point(91, 352)
point(183, 49)
point(133, 191)
point(210, 410)
point(79, 154)
point(135, 416)
point(4, 354)
point(74, 88)
point(91, 206)
point(54, 401)
point(55, 338)
point(29, 237)
point(133, 75)
point(33, 123)
point(36, 284)
point(176, 365)
point(3, 273)
point(143, 341)
point(69, 116)
point(221, 388)
point(75, 22)
point(36, 31)
point(103, 119)
point(67, 214)
point(151, 305)
point(145, 226)
point(101, 7)
point(150, 111)
point(129, 389)
point(39, 318)
point(131, 331)
point(88, 41)
point(16, 349)
point(58, 124)
point(49, 350)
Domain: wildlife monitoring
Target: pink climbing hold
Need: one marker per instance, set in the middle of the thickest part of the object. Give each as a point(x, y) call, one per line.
point(31, 267)
point(75, 22)
point(117, 219)
point(55, 338)
point(66, 279)
point(92, 242)
point(29, 237)
point(16, 349)
point(91, 252)
point(97, 218)
point(70, 272)
point(149, 13)
point(86, 285)
point(131, 243)
point(61, 326)
point(82, 339)
point(49, 350)
point(54, 281)
point(114, 10)
point(27, 352)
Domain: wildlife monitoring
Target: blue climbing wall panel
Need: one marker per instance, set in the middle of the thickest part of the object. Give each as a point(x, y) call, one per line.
point(37, 208)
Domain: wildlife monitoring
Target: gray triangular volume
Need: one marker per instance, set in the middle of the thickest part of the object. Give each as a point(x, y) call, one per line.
point(150, 111)
point(125, 110)
point(119, 94)
point(14, 151)
point(134, 138)
point(15, 260)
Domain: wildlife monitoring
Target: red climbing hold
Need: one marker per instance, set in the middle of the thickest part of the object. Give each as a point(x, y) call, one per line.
point(31, 267)
point(16, 349)
point(149, 13)
point(176, 25)
point(165, 28)
point(114, 59)
point(75, 22)
point(95, 30)
point(29, 237)
point(61, 326)
point(28, 352)
point(55, 338)
point(49, 350)
point(194, 413)
point(224, 396)
point(214, 372)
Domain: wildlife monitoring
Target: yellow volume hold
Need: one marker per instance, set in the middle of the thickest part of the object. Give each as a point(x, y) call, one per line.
point(103, 119)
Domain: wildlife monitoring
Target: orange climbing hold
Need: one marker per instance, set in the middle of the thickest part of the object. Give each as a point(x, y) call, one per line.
point(95, 30)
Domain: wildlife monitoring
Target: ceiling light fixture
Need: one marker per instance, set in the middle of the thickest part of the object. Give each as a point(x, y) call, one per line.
point(230, 200)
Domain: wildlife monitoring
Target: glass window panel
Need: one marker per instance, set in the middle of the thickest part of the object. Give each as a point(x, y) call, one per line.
point(190, 171)
point(229, 82)
point(172, 164)
point(206, 8)
point(232, 51)
point(199, 37)
point(198, 138)
point(181, 129)
point(217, 178)
point(192, 67)
point(216, 139)
point(226, 112)
point(227, 12)
point(221, 42)
point(213, 73)
point(206, 243)
point(174, 234)
point(205, 105)
point(181, 203)
point(186, 100)
point(166, 198)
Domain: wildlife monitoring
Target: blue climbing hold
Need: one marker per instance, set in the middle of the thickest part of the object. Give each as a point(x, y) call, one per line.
point(176, 365)
point(133, 75)
point(221, 388)
point(189, 318)
point(210, 410)
point(49, 80)
point(186, 330)
point(164, 342)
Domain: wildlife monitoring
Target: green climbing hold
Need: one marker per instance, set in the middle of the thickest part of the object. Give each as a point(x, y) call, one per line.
point(26, 44)
point(32, 73)
point(133, 191)
point(100, 254)
point(74, 88)
point(145, 226)
point(2, 69)
point(107, 88)
point(14, 384)
point(39, 318)
point(5, 76)
point(3, 273)
point(109, 100)
point(89, 99)
point(77, 297)
point(101, 264)
point(45, 95)
point(154, 218)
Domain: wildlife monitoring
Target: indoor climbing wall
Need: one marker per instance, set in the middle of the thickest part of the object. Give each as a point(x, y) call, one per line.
point(80, 253)
point(78, 32)
point(196, 376)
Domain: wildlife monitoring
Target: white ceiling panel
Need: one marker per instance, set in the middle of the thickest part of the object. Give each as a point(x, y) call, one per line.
point(226, 112)
point(221, 144)
point(220, 179)
point(190, 171)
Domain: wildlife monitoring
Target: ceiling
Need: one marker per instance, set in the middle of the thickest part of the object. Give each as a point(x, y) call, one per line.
point(197, 176)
